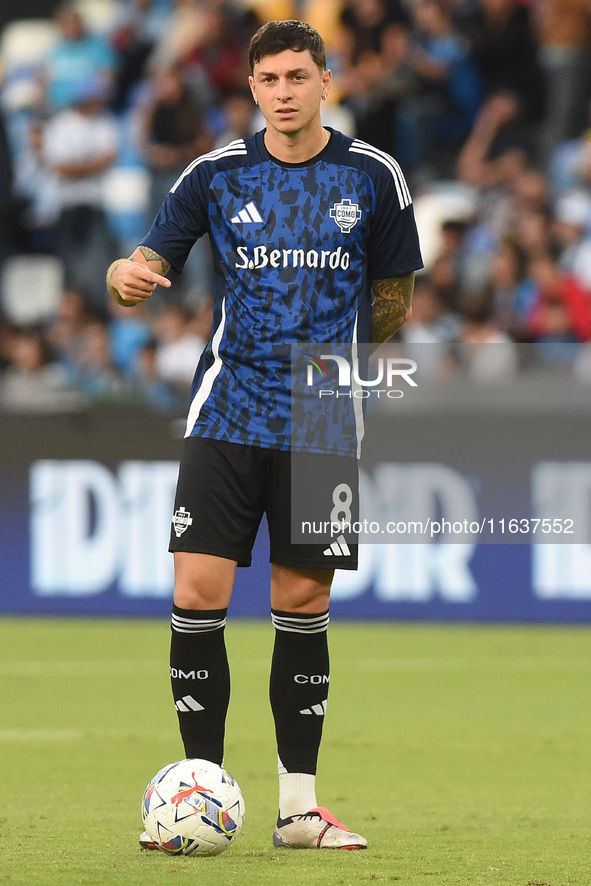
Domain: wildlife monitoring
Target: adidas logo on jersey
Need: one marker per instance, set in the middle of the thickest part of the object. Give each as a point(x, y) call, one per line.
point(188, 703)
point(318, 709)
point(248, 215)
point(338, 548)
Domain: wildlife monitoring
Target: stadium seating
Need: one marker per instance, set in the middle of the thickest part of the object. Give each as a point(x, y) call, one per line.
point(23, 45)
point(30, 288)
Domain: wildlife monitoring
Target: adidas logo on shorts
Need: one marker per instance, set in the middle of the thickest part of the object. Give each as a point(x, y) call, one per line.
point(338, 548)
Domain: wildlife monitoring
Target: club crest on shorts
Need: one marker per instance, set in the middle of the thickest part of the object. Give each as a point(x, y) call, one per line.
point(345, 214)
point(181, 520)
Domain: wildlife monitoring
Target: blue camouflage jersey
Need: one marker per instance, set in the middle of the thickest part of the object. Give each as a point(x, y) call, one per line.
point(295, 248)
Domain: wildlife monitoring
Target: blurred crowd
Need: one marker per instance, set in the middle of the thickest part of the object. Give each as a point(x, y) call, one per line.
point(484, 103)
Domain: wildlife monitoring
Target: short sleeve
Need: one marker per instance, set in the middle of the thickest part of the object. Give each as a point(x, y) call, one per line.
point(181, 220)
point(393, 247)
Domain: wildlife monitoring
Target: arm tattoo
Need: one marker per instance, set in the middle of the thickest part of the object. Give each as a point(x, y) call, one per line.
point(391, 307)
point(151, 255)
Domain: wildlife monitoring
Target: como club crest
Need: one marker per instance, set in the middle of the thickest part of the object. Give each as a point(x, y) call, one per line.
point(181, 520)
point(345, 214)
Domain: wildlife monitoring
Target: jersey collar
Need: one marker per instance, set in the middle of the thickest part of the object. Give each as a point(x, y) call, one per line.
point(322, 155)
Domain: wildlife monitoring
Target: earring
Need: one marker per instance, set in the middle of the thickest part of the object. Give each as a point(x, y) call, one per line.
point(323, 98)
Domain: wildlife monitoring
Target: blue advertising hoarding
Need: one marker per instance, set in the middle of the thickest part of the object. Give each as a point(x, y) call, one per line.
point(86, 503)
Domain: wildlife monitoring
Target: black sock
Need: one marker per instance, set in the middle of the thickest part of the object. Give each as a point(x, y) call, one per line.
point(299, 687)
point(200, 679)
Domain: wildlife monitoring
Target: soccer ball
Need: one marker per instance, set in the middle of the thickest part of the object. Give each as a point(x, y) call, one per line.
point(193, 807)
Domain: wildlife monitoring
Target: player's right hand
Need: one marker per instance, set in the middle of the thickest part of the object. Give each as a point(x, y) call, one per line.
point(131, 282)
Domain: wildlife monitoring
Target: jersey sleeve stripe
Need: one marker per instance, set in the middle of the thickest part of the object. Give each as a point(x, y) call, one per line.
point(390, 163)
point(233, 149)
point(210, 375)
point(357, 402)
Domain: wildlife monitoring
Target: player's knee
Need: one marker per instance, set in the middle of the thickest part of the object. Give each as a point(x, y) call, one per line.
point(193, 596)
point(305, 590)
point(307, 603)
point(202, 581)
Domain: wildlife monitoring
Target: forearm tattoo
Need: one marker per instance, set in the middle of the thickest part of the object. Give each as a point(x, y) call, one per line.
point(393, 298)
point(151, 255)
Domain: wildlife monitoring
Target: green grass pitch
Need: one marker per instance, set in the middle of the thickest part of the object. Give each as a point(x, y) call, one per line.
point(461, 752)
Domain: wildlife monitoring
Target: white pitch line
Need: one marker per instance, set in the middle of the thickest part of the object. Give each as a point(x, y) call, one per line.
point(259, 665)
point(76, 668)
point(102, 668)
point(443, 665)
point(20, 735)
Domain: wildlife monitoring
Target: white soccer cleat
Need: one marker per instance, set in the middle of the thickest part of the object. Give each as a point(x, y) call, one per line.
point(146, 842)
point(316, 829)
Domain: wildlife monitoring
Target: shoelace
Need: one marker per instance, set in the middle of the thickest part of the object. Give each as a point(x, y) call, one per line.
point(324, 815)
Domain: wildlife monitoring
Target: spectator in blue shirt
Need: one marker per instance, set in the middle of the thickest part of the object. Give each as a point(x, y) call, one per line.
point(76, 57)
point(441, 115)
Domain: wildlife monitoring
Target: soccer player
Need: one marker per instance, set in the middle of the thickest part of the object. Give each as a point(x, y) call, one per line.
point(314, 240)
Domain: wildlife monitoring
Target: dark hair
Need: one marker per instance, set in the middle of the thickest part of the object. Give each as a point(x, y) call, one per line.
point(277, 36)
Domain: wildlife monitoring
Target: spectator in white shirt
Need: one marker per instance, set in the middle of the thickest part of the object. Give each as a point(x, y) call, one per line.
point(80, 144)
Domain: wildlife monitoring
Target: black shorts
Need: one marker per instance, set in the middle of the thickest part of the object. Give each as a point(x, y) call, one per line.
point(225, 488)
